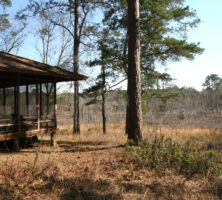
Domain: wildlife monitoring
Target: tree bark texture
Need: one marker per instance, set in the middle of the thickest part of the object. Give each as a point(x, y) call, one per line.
point(76, 120)
point(127, 113)
point(134, 74)
point(126, 70)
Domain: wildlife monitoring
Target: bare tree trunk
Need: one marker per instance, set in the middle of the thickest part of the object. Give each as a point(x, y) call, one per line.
point(76, 129)
point(134, 74)
point(103, 99)
point(76, 122)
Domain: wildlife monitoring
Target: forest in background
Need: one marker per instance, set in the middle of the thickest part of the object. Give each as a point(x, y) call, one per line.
point(172, 106)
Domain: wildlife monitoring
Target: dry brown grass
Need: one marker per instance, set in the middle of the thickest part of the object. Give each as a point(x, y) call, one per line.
point(181, 135)
point(90, 166)
point(93, 133)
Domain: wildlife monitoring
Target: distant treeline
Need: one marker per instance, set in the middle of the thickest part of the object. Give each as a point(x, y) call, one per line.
point(173, 106)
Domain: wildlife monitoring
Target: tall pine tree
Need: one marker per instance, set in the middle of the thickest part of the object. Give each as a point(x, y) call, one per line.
point(163, 31)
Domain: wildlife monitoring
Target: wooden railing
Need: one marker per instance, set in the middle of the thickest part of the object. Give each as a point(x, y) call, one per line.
point(26, 123)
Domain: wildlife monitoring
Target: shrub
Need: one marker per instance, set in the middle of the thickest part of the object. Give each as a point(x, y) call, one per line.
point(164, 154)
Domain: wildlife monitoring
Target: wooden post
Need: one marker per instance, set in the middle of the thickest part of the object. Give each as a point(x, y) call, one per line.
point(47, 97)
point(40, 99)
point(18, 103)
point(15, 142)
point(37, 102)
point(15, 145)
point(27, 100)
point(4, 102)
point(15, 101)
point(53, 142)
point(55, 105)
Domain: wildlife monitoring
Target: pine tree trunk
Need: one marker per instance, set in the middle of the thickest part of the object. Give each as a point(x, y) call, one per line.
point(127, 113)
point(76, 122)
point(134, 74)
point(126, 70)
point(103, 99)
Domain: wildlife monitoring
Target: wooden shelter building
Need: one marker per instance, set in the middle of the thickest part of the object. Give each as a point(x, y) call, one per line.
point(28, 96)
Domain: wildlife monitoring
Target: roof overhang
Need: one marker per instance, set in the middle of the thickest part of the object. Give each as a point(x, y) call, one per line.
point(29, 70)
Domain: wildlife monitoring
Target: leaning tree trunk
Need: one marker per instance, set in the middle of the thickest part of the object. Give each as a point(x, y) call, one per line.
point(76, 122)
point(134, 74)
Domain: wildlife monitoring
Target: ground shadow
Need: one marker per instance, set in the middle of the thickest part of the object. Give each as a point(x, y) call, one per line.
point(91, 143)
point(76, 195)
point(75, 189)
point(8, 146)
point(216, 147)
point(80, 145)
point(63, 146)
point(67, 189)
point(69, 143)
point(74, 150)
point(134, 188)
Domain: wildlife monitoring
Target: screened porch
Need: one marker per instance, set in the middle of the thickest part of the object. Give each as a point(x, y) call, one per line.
point(28, 96)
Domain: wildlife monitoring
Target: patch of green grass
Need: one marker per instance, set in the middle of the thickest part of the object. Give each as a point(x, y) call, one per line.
point(165, 154)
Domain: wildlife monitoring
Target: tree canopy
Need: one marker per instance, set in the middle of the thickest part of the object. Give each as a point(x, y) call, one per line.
point(164, 28)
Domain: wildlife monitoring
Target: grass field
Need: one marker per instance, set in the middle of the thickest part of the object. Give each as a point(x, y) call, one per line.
point(92, 166)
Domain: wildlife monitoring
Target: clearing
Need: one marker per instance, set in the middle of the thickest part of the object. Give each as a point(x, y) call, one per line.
point(91, 166)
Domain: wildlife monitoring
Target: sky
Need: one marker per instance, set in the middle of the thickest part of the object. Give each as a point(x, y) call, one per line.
point(209, 34)
point(186, 73)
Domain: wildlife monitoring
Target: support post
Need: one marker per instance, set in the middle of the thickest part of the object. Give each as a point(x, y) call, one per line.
point(37, 102)
point(55, 105)
point(15, 101)
point(27, 100)
point(47, 97)
point(53, 142)
point(18, 103)
point(4, 102)
point(40, 99)
point(15, 142)
point(15, 145)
